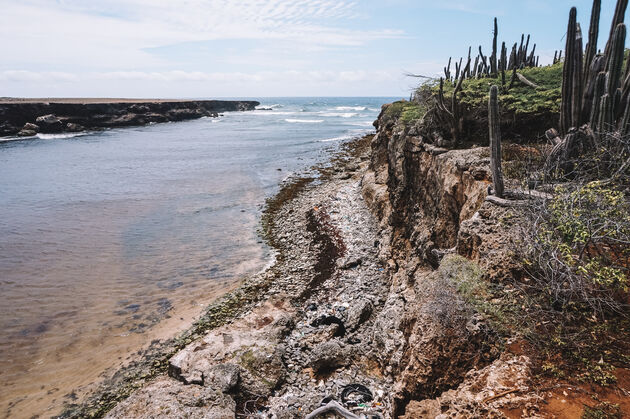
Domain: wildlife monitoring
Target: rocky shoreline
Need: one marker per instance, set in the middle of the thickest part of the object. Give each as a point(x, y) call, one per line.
point(25, 118)
point(365, 311)
point(349, 313)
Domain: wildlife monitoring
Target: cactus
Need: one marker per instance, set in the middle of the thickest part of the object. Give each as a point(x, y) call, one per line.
point(605, 114)
point(591, 94)
point(524, 57)
point(493, 57)
point(447, 69)
point(494, 125)
point(614, 63)
point(620, 12)
point(624, 126)
point(571, 107)
point(593, 34)
point(599, 87)
point(577, 83)
point(503, 63)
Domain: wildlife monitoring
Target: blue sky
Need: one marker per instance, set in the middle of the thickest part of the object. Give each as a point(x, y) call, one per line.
point(255, 48)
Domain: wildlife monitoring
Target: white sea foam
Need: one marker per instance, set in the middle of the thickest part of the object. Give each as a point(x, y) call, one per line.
point(351, 108)
point(304, 121)
point(361, 124)
point(61, 136)
point(7, 139)
point(270, 113)
point(274, 106)
point(340, 138)
point(339, 115)
point(46, 136)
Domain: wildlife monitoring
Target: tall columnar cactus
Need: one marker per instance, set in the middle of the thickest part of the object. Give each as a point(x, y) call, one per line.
point(614, 65)
point(503, 63)
point(605, 122)
point(571, 105)
point(599, 88)
point(593, 35)
point(493, 57)
point(494, 126)
point(620, 13)
point(577, 84)
point(594, 89)
point(624, 125)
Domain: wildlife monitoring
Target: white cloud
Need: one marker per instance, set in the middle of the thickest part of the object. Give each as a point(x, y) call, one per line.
point(195, 76)
point(114, 41)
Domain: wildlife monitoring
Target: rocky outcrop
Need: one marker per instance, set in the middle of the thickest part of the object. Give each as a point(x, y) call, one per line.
point(74, 116)
point(502, 387)
point(420, 192)
point(431, 203)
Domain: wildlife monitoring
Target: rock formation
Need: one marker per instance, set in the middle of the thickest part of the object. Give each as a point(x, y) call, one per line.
point(27, 118)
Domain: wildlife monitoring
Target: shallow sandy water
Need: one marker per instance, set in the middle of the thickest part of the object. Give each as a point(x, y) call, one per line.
point(111, 240)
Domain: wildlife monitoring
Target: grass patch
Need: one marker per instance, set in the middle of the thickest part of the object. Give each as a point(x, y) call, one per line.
point(405, 111)
point(520, 99)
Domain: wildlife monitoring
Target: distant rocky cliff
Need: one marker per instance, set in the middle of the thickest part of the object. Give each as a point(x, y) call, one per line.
point(27, 118)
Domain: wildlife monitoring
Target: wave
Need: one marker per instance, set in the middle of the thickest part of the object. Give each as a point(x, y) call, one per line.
point(304, 121)
point(7, 139)
point(340, 138)
point(351, 108)
point(339, 115)
point(274, 106)
point(267, 113)
point(361, 124)
point(45, 136)
point(374, 109)
point(61, 136)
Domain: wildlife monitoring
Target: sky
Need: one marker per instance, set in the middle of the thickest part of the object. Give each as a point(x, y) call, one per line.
point(258, 48)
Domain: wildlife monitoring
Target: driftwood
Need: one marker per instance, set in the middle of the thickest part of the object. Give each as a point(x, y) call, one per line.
point(506, 203)
point(518, 198)
point(335, 407)
point(524, 80)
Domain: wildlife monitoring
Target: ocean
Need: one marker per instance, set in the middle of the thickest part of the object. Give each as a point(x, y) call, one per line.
point(111, 239)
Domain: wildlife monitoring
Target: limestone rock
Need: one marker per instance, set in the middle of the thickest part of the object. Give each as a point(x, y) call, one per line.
point(168, 398)
point(328, 356)
point(72, 127)
point(249, 348)
point(30, 127)
point(27, 133)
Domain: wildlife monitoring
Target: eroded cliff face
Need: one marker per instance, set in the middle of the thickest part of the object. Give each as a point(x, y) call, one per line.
point(436, 229)
point(422, 193)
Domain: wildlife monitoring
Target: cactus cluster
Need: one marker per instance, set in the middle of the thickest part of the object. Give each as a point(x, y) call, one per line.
point(498, 63)
point(596, 87)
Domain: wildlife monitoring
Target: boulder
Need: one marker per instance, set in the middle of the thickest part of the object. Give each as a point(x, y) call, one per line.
point(328, 356)
point(30, 127)
point(49, 124)
point(27, 133)
point(72, 127)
